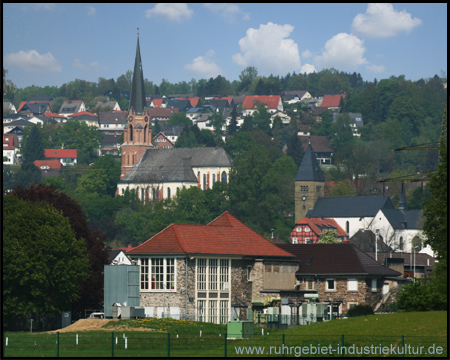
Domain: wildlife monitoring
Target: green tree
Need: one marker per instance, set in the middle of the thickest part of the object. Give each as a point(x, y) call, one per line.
point(261, 119)
point(217, 122)
point(246, 77)
point(180, 119)
point(27, 175)
point(329, 237)
point(92, 287)
point(44, 264)
point(232, 127)
point(33, 148)
point(78, 135)
point(248, 123)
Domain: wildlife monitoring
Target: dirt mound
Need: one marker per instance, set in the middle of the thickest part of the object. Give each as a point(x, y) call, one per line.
point(85, 324)
point(96, 324)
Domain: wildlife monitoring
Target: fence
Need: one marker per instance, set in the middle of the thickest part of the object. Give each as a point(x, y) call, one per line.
point(149, 344)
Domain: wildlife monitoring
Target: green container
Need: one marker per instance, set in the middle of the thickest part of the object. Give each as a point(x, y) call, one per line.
point(240, 329)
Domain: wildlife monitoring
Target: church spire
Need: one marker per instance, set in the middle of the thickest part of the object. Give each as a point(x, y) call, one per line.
point(137, 102)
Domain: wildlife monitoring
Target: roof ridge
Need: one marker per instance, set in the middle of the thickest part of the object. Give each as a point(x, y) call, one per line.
point(178, 238)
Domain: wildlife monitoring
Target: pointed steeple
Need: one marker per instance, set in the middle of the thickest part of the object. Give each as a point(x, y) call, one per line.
point(402, 199)
point(137, 102)
point(309, 169)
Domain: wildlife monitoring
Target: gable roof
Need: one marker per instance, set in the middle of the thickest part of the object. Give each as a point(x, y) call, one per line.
point(175, 165)
point(400, 219)
point(422, 259)
point(252, 102)
point(171, 130)
point(319, 144)
point(70, 106)
point(335, 259)
point(61, 153)
point(162, 112)
point(350, 206)
point(332, 100)
point(319, 225)
point(225, 235)
point(309, 169)
point(10, 142)
point(84, 115)
point(115, 117)
point(181, 105)
point(52, 164)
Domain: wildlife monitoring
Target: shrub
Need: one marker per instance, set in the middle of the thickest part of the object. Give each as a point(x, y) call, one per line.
point(360, 310)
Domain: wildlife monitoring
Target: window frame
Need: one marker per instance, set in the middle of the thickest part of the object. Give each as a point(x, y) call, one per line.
point(351, 282)
point(327, 288)
point(167, 279)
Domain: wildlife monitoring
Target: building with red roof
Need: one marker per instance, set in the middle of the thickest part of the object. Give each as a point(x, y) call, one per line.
point(10, 148)
point(64, 156)
point(308, 230)
point(49, 167)
point(332, 102)
point(252, 103)
point(207, 270)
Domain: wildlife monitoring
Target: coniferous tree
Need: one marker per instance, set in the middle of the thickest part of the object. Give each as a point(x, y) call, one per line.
point(34, 147)
point(232, 128)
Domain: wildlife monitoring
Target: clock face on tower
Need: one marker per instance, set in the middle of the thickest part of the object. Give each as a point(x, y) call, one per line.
point(303, 198)
point(130, 118)
point(146, 119)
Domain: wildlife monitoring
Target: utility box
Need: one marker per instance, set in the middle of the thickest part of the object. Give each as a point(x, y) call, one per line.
point(128, 312)
point(121, 285)
point(240, 329)
point(139, 312)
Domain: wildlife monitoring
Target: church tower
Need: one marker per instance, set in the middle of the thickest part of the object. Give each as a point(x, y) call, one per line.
point(309, 184)
point(137, 134)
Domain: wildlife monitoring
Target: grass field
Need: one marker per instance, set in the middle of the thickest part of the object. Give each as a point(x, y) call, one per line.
point(182, 338)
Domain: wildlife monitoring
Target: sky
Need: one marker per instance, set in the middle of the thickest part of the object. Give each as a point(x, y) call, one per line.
point(52, 44)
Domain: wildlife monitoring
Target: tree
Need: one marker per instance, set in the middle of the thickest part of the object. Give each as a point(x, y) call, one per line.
point(248, 123)
point(27, 175)
point(329, 237)
point(44, 263)
point(92, 287)
point(180, 119)
point(246, 77)
point(217, 122)
point(78, 135)
point(8, 86)
point(232, 127)
point(33, 148)
point(261, 119)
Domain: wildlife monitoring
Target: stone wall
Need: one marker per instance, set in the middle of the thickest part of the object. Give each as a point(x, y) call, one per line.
point(240, 284)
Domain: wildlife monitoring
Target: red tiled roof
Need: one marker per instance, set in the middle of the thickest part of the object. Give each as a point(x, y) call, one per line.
point(51, 114)
point(229, 98)
point(326, 224)
point(162, 112)
point(52, 164)
point(157, 102)
point(11, 140)
point(332, 100)
point(319, 143)
point(21, 105)
point(223, 236)
point(61, 153)
point(252, 102)
point(83, 113)
point(71, 101)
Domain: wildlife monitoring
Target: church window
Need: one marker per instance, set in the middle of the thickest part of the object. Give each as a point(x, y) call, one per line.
point(400, 246)
point(204, 181)
point(347, 227)
point(145, 133)
point(168, 193)
point(214, 179)
point(304, 188)
point(318, 189)
point(153, 194)
point(224, 177)
point(131, 133)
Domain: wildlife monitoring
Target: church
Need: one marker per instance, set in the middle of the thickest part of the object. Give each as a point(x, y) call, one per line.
point(157, 174)
point(396, 227)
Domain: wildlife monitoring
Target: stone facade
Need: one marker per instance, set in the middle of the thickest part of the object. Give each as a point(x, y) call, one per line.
point(362, 295)
point(306, 195)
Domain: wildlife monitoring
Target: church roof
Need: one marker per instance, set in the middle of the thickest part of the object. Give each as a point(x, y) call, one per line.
point(137, 101)
point(400, 219)
point(175, 165)
point(350, 206)
point(225, 235)
point(309, 169)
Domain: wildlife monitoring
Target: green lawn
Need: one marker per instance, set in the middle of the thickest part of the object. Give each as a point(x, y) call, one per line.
point(418, 329)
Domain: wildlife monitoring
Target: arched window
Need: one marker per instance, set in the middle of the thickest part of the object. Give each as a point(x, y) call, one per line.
point(137, 192)
point(347, 227)
point(400, 245)
point(204, 181)
point(153, 194)
point(142, 194)
point(131, 132)
point(224, 177)
point(145, 133)
point(168, 193)
point(214, 179)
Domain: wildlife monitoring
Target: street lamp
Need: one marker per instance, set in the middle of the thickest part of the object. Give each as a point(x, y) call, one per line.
point(414, 250)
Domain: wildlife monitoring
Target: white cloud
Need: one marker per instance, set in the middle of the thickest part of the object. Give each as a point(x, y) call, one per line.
point(268, 49)
point(204, 66)
point(32, 61)
point(306, 54)
point(227, 11)
point(376, 68)
point(93, 65)
point(91, 11)
point(342, 51)
point(173, 12)
point(44, 6)
point(307, 69)
point(382, 20)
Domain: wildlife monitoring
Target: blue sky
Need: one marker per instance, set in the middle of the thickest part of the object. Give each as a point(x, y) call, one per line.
point(51, 44)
